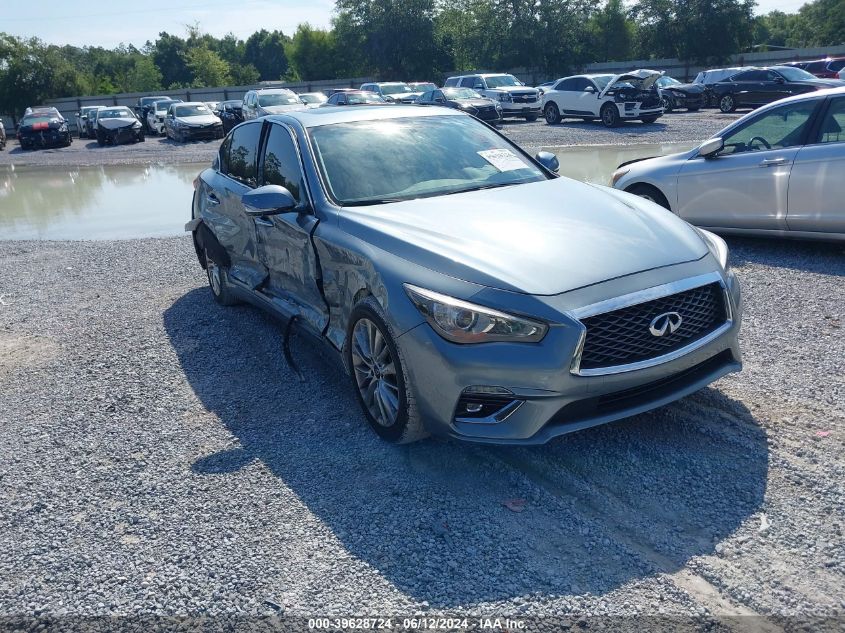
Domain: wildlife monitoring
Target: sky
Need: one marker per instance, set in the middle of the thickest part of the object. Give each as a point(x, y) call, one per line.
point(111, 23)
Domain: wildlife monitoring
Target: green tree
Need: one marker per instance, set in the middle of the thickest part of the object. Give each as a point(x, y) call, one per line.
point(206, 67)
point(312, 53)
point(144, 76)
point(265, 50)
point(169, 57)
point(611, 33)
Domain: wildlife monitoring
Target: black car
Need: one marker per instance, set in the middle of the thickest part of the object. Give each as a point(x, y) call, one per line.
point(118, 124)
point(759, 86)
point(466, 100)
point(43, 127)
point(676, 95)
point(354, 98)
point(142, 109)
point(231, 113)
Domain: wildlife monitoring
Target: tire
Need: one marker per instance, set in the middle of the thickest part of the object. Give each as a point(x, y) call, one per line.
point(218, 282)
point(727, 104)
point(696, 109)
point(378, 376)
point(649, 193)
point(551, 113)
point(531, 118)
point(649, 119)
point(609, 115)
point(668, 104)
point(101, 140)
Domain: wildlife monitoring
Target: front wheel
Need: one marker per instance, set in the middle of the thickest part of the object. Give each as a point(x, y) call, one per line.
point(609, 115)
point(668, 104)
point(551, 113)
point(652, 194)
point(218, 281)
point(649, 119)
point(379, 378)
point(727, 104)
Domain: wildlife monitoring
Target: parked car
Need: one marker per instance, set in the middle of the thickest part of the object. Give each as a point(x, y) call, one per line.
point(675, 95)
point(516, 98)
point(469, 290)
point(355, 98)
point(192, 121)
point(2, 136)
point(772, 172)
point(825, 68)
point(759, 86)
point(118, 124)
point(142, 108)
point(422, 86)
point(157, 113)
point(611, 98)
point(464, 99)
point(546, 85)
point(395, 91)
point(214, 106)
point(91, 123)
point(801, 65)
point(43, 127)
point(334, 91)
point(313, 99)
point(709, 77)
point(258, 103)
point(231, 113)
point(82, 119)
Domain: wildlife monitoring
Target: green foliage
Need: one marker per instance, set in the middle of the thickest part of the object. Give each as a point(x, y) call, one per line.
point(266, 52)
point(312, 54)
point(207, 68)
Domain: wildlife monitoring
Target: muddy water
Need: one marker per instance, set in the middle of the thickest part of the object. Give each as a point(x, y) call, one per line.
point(131, 201)
point(110, 202)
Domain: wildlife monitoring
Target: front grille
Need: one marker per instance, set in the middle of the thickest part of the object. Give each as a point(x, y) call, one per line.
point(524, 98)
point(623, 336)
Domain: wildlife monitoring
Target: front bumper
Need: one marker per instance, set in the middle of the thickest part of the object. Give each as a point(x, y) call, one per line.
point(635, 110)
point(549, 399)
point(510, 109)
point(202, 133)
point(45, 138)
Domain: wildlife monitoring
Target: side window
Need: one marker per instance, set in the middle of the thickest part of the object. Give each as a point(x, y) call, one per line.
point(750, 75)
point(833, 126)
point(281, 163)
point(451, 82)
point(778, 128)
point(773, 76)
point(437, 94)
point(426, 97)
point(566, 84)
point(815, 67)
point(224, 155)
point(581, 84)
point(243, 152)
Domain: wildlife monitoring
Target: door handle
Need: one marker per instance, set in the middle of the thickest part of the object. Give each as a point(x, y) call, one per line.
point(212, 199)
point(772, 162)
point(264, 222)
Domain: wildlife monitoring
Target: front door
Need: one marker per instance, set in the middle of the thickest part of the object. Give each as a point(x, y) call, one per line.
point(284, 240)
point(746, 185)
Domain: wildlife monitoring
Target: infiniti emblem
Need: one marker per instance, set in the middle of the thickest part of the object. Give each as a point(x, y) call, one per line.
point(666, 323)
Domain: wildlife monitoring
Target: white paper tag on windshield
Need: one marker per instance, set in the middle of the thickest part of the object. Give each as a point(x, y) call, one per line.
point(502, 159)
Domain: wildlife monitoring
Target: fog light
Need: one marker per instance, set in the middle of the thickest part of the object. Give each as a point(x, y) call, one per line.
point(488, 390)
point(474, 407)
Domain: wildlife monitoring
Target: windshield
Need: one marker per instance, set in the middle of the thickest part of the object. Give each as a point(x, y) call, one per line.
point(145, 101)
point(278, 99)
point(371, 162)
point(461, 93)
point(500, 81)
point(29, 120)
point(601, 81)
point(665, 82)
point(312, 98)
point(794, 74)
point(422, 86)
point(115, 113)
point(191, 110)
point(395, 89)
point(162, 106)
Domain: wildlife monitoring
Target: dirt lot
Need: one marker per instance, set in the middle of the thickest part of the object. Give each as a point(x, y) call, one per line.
point(159, 457)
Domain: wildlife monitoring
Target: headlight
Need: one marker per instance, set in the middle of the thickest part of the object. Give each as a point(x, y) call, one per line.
point(462, 322)
point(136, 125)
point(717, 246)
point(617, 175)
point(63, 127)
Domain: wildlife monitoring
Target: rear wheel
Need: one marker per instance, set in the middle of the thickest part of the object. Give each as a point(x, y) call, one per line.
point(551, 113)
point(727, 104)
point(650, 193)
point(609, 115)
point(379, 378)
point(218, 281)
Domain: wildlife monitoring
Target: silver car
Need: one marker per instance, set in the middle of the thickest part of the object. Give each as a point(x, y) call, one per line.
point(469, 290)
point(772, 172)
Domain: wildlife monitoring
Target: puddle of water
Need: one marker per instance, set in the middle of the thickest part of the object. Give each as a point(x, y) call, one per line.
point(132, 201)
point(595, 164)
point(109, 202)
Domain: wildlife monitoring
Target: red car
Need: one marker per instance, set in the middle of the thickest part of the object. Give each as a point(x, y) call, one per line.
point(825, 68)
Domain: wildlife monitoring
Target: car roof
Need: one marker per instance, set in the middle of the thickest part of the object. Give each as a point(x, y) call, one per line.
point(190, 103)
point(331, 115)
point(273, 91)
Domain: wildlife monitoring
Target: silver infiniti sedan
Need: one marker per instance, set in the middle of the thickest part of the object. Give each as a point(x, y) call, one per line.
point(776, 171)
point(468, 290)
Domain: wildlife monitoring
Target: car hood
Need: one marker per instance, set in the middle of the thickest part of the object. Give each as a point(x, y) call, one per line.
point(647, 77)
point(475, 103)
point(114, 124)
point(278, 109)
point(204, 119)
point(540, 238)
point(690, 89)
point(401, 96)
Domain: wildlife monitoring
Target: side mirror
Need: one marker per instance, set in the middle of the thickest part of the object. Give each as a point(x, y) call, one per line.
point(548, 160)
point(779, 80)
point(589, 89)
point(711, 147)
point(268, 200)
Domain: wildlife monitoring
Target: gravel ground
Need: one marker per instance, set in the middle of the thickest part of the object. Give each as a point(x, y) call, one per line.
point(161, 458)
point(683, 127)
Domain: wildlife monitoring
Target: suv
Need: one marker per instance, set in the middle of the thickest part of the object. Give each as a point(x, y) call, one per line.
point(258, 103)
point(395, 91)
point(825, 68)
point(517, 99)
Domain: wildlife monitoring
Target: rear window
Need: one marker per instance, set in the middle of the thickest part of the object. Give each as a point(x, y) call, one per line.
point(836, 65)
point(243, 152)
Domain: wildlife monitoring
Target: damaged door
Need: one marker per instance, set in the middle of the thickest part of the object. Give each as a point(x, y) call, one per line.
point(284, 240)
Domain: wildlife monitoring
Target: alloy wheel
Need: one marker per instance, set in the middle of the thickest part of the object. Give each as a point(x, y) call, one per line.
point(375, 372)
point(214, 280)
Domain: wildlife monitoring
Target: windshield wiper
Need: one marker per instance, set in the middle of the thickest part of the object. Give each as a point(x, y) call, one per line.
point(481, 187)
point(366, 203)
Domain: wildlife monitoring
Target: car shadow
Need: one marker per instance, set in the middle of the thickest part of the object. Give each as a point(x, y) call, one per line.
point(826, 258)
point(452, 523)
point(624, 127)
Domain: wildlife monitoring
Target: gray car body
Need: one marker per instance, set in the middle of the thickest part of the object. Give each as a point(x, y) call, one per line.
point(788, 192)
point(549, 250)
